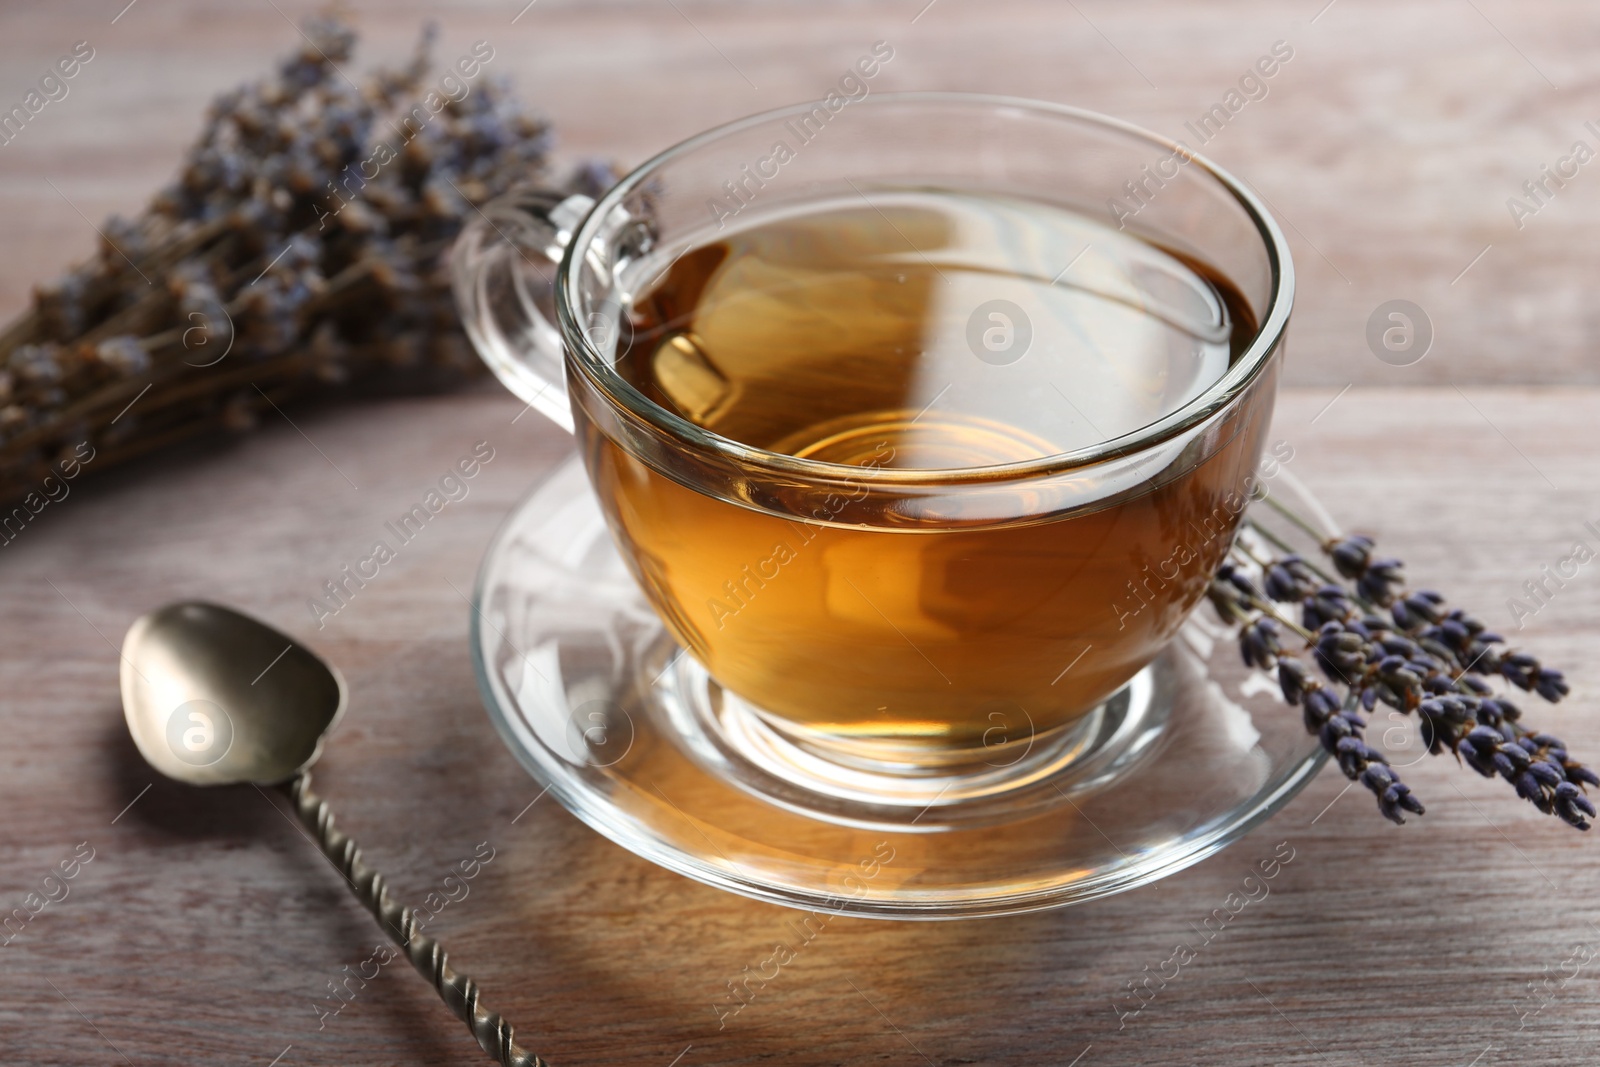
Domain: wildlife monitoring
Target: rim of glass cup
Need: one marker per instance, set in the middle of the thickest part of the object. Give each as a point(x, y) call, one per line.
point(1223, 392)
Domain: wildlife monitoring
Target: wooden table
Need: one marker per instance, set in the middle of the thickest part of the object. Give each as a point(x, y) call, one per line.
point(205, 929)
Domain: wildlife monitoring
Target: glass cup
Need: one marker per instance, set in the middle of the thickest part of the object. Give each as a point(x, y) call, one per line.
point(872, 628)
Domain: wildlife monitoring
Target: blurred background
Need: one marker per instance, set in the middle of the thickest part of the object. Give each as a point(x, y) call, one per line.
point(1389, 145)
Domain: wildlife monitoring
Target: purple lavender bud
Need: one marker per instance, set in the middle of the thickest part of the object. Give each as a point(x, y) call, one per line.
point(1504, 765)
point(1528, 787)
point(1546, 773)
point(1279, 586)
point(1393, 795)
point(1516, 754)
point(1544, 740)
point(1570, 817)
point(1242, 582)
point(1259, 644)
point(1350, 554)
point(1496, 710)
point(1518, 668)
point(1432, 733)
point(1334, 731)
point(1396, 645)
point(1572, 805)
point(1378, 778)
point(1289, 579)
point(1226, 599)
point(1551, 684)
point(1577, 772)
point(1313, 723)
point(1431, 643)
point(1339, 652)
point(1476, 684)
point(1330, 603)
point(1322, 702)
point(1381, 581)
point(1416, 610)
point(1354, 755)
point(1405, 680)
point(1350, 764)
point(1473, 757)
point(1292, 679)
point(1408, 800)
point(1485, 737)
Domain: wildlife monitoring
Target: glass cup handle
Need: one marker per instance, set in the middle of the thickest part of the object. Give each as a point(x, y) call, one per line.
point(503, 269)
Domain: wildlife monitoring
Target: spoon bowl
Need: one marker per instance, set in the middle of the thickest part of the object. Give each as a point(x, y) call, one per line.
point(214, 697)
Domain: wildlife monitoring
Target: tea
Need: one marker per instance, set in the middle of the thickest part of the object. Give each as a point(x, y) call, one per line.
point(927, 330)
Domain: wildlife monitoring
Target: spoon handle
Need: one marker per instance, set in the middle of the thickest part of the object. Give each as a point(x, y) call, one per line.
point(458, 991)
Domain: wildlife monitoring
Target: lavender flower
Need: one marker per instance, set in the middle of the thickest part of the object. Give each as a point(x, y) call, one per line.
point(1259, 644)
point(1377, 580)
point(1339, 729)
point(1375, 643)
point(1289, 579)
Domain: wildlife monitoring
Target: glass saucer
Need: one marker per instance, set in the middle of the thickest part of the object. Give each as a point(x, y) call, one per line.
point(602, 707)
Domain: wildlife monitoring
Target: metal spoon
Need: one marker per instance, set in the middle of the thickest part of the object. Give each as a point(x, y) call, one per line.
point(214, 697)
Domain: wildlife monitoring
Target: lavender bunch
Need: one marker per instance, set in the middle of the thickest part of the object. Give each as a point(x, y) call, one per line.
point(301, 251)
point(1375, 642)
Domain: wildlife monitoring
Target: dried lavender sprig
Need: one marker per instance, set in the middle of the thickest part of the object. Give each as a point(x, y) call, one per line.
point(1466, 640)
point(1377, 658)
point(1337, 725)
point(1379, 584)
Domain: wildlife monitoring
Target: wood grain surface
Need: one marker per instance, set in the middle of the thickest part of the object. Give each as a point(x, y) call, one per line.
point(205, 928)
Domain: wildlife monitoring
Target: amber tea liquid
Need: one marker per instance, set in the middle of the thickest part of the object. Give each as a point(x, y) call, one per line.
point(865, 334)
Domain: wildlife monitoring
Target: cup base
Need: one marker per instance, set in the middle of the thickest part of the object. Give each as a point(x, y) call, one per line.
point(628, 733)
point(870, 784)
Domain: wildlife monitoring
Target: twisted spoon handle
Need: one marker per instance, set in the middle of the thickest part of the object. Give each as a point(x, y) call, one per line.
point(458, 991)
